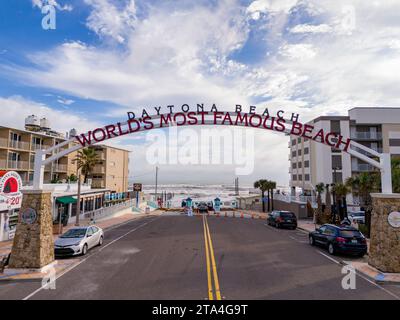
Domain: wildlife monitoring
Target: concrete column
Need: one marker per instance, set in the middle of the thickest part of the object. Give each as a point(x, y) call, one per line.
point(385, 239)
point(2, 222)
point(33, 245)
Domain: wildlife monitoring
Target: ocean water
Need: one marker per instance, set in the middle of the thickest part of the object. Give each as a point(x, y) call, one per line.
point(177, 192)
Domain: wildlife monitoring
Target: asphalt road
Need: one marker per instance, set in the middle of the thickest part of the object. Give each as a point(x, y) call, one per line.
point(166, 258)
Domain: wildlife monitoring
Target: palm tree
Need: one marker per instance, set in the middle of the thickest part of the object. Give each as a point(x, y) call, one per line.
point(328, 203)
point(320, 187)
point(272, 186)
point(86, 160)
point(341, 191)
point(263, 185)
point(363, 185)
point(396, 175)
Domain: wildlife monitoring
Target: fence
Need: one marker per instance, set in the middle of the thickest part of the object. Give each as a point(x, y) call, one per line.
point(297, 198)
point(108, 211)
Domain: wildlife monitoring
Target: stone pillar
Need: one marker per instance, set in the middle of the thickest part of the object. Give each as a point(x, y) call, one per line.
point(33, 245)
point(384, 252)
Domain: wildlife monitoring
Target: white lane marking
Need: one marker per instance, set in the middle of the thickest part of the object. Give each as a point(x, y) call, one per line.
point(297, 240)
point(328, 257)
point(83, 260)
point(362, 276)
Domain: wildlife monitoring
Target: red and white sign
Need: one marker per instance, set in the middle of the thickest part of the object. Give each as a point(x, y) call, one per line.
point(10, 190)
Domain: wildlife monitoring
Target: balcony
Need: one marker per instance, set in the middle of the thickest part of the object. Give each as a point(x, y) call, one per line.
point(35, 147)
point(14, 165)
point(20, 145)
point(366, 135)
point(99, 170)
point(380, 150)
point(362, 167)
point(98, 183)
point(56, 167)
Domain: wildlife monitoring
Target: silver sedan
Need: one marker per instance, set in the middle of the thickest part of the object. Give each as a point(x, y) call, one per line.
point(78, 240)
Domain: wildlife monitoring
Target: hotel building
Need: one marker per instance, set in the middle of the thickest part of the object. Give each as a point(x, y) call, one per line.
point(312, 162)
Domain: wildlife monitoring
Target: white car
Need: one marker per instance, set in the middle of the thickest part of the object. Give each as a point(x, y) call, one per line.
point(356, 217)
point(78, 240)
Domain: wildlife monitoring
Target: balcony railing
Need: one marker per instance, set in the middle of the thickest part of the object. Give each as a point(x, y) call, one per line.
point(21, 145)
point(98, 183)
point(99, 170)
point(56, 167)
point(366, 135)
point(15, 165)
point(362, 167)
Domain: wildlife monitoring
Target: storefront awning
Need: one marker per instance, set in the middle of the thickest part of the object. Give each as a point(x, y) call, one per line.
point(66, 200)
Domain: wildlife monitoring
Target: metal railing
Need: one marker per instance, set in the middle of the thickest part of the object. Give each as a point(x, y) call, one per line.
point(107, 211)
point(297, 198)
point(362, 167)
point(13, 164)
point(366, 135)
point(21, 145)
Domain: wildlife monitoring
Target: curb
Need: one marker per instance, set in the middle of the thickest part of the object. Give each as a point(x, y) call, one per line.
point(378, 279)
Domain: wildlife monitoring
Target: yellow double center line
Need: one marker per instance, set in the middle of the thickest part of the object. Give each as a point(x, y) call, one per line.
point(211, 265)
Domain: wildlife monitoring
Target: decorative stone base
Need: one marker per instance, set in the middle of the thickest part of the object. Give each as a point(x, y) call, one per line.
point(384, 252)
point(33, 245)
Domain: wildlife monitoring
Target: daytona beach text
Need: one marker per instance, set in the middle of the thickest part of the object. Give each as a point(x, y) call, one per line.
point(215, 117)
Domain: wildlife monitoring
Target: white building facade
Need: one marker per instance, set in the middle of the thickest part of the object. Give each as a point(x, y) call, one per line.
point(312, 163)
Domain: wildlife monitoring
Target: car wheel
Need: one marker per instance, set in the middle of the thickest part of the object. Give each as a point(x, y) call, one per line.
point(85, 249)
point(101, 241)
point(331, 249)
point(311, 240)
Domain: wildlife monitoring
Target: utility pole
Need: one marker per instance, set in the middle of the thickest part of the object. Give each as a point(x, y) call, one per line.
point(78, 203)
point(156, 183)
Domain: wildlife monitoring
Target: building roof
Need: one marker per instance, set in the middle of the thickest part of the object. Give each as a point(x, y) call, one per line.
point(38, 133)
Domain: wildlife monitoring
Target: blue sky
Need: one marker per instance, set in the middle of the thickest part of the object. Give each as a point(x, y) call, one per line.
point(106, 57)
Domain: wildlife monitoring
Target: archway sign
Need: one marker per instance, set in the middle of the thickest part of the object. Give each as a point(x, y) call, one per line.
point(214, 118)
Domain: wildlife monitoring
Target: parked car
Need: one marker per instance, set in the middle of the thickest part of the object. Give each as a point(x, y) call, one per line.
point(358, 216)
point(78, 240)
point(202, 207)
point(210, 206)
point(342, 239)
point(282, 219)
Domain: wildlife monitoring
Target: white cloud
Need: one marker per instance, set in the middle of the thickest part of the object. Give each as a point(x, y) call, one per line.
point(41, 3)
point(18, 108)
point(308, 28)
point(109, 21)
point(298, 51)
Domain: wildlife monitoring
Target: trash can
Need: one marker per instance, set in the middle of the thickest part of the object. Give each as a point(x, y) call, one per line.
point(147, 210)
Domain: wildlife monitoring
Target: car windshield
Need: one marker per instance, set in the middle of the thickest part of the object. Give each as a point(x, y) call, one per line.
point(74, 233)
point(287, 215)
point(350, 233)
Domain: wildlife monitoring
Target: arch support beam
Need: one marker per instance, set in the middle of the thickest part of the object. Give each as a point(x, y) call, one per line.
point(386, 173)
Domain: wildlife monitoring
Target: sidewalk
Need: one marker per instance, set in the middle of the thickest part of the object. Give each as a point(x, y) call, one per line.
point(62, 265)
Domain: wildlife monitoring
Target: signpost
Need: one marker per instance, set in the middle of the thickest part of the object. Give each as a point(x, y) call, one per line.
point(137, 187)
point(10, 190)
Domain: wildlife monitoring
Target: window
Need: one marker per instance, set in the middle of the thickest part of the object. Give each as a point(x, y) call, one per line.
point(293, 154)
point(307, 177)
point(294, 165)
point(394, 142)
point(306, 164)
point(299, 152)
point(299, 165)
point(300, 177)
point(293, 142)
point(337, 161)
point(294, 177)
point(335, 126)
point(306, 150)
point(337, 178)
point(299, 140)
